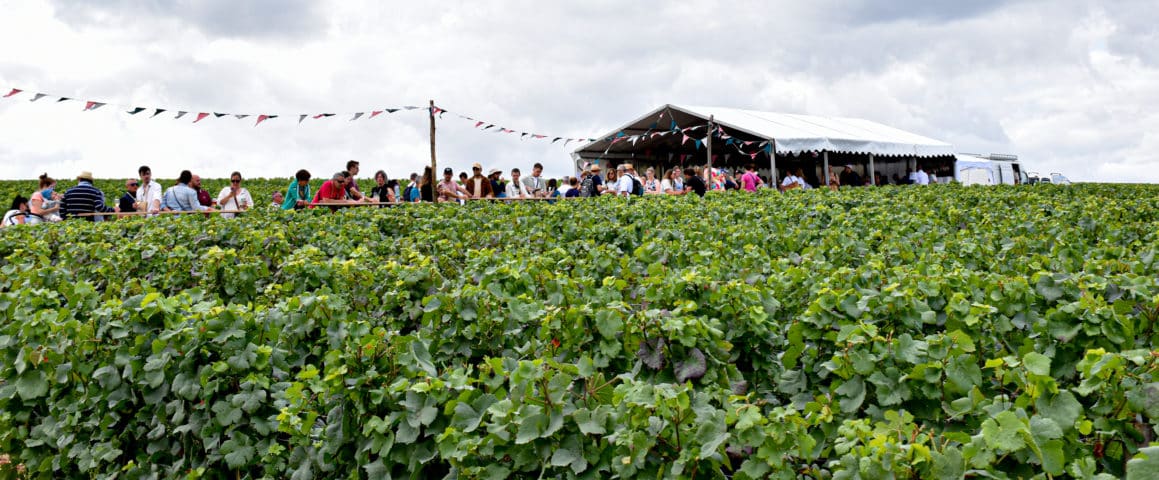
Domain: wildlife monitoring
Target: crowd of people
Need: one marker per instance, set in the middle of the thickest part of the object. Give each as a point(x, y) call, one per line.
point(145, 196)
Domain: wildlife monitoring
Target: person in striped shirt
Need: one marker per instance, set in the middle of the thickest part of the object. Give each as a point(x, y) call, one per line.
point(84, 198)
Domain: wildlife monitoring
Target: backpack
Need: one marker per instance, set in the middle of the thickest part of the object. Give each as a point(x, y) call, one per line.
point(637, 187)
point(410, 193)
point(588, 187)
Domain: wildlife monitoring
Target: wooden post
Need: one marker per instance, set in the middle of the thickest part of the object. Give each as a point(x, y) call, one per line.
point(872, 173)
point(708, 142)
point(434, 163)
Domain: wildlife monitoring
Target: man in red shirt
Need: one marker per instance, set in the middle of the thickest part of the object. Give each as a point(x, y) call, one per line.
point(332, 191)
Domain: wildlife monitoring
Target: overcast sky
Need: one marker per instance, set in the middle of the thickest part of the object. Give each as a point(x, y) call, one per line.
point(1069, 86)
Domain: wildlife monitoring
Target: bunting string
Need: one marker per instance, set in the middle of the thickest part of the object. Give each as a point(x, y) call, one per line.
point(492, 127)
point(90, 105)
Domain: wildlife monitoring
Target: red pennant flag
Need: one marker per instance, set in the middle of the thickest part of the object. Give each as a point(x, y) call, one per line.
point(93, 105)
point(320, 115)
point(375, 113)
point(201, 116)
point(13, 92)
point(538, 136)
point(477, 124)
point(261, 118)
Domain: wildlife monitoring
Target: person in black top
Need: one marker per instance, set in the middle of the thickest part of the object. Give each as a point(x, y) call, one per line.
point(129, 199)
point(427, 186)
point(851, 178)
point(693, 182)
point(383, 191)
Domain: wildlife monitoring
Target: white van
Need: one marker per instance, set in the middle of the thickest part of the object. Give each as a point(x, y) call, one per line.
point(993, 169)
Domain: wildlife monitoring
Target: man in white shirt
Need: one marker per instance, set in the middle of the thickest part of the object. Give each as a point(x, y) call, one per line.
point(791, 181)
point(517, 189)
point(150, 192)
point(623, 180)
point(234, 197)
point(920, 177)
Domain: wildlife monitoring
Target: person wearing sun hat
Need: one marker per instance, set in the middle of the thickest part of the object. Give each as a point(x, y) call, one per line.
point(84, 198)
point(497, 186)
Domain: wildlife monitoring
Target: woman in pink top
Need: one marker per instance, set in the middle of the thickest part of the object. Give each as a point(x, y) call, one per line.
point(750, 181)
point(45, 203)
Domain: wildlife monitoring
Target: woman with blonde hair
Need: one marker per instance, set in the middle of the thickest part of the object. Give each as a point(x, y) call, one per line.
point(651, 183)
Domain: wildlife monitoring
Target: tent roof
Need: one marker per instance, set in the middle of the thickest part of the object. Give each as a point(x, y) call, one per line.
point(792, 133)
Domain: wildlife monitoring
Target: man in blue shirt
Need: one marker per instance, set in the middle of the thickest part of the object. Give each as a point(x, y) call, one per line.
point(84, 198)
point(182, 197)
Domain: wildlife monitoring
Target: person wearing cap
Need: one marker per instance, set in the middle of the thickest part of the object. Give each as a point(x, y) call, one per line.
point(535, 183)
point(479, 186)
point(497, 186)
point(84, 198)
point(850, 177)
point(450, 191)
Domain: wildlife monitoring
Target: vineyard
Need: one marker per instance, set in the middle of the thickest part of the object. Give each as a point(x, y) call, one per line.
point(940, 332)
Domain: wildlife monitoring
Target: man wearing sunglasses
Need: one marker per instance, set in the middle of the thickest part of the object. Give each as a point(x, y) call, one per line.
point(128, 202)
point(234, 196)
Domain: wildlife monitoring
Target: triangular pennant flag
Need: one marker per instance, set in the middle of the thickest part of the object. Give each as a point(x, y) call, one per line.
point(201, 116)
point(674, 126)
point(63, 99)
point(686, 138)
point(698, 144)
point(219, 115)
point(240, 116)
point(391, 110)
point(93, 105)
point(136, 110)
point(320, 115)
point(158, 112)
point(436, 110)
point(261, 118)
point(375, 113)
point(524, 134)
point(408, 107)
point(556, 139)
point(748, 143)
point(477, 124)
point(13, 92)
point(620, 134)
point(489, 126)
point(301, 117)
point(357, 116)
point(567, 142)
point(538, 136)
point(753, 155)
point(38, 97)
point(180, 114)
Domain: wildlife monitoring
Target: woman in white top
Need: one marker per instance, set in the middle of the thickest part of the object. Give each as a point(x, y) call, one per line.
point(18, 215)
point(234, 197)
point(651, 183)
point(44, 204)
point(673, 183)
point(516, 189)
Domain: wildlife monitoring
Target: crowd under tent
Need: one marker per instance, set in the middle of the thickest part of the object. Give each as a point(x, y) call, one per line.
point(678, 136)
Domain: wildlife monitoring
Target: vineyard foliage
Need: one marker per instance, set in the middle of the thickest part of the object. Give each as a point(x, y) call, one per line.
point(940, 332)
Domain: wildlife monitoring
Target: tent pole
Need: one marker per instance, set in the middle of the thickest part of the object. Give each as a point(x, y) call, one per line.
point(872, 172)
point(434, 164)
point(773, 164)
point(824, 173)
point(708, 142)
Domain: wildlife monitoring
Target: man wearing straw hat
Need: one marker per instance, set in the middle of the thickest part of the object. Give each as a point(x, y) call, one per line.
point(84, 198)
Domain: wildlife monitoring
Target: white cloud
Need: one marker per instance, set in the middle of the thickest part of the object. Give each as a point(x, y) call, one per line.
point(1066, 85)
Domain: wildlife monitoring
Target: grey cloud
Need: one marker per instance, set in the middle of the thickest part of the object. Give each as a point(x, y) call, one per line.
point(874, 11)
point(224, 18)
